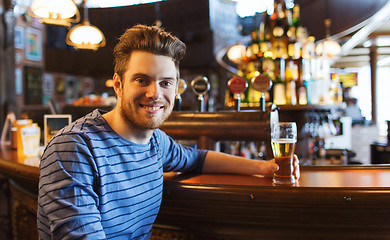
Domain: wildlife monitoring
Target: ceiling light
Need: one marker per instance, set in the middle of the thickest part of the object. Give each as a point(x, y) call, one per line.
point(58, 12)
point(328, 48)
point(236, 52)
point(85, 35)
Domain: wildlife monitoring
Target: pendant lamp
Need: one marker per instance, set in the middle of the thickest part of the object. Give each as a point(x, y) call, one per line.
point(236, 52)
point(328, 48)
point(57, 12)
point(85, 35)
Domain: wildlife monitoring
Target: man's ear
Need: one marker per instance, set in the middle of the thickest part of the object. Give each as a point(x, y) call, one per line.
point(117, 85)
point(177, 87)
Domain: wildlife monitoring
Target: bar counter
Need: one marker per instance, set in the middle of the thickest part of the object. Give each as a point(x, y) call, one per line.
point(328, 202)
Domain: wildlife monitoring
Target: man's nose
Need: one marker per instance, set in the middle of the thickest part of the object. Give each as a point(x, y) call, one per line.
point(153, 91)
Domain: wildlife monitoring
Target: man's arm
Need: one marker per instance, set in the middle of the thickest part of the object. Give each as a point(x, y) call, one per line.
point(67, 202)
point(217, 162)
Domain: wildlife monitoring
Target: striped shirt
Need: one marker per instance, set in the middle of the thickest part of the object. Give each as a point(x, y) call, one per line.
point(94, 184)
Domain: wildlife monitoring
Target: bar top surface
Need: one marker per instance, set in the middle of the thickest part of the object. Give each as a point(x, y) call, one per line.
point(347, 176)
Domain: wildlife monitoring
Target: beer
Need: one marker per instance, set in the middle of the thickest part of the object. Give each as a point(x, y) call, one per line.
point(283, 150)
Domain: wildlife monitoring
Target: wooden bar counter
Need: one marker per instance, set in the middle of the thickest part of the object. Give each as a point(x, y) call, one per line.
point(328, 202)
point(343, 202)
point(23, 184)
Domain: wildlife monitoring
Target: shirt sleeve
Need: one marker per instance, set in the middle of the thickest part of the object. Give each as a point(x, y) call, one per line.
point(67, 199)
point(177, 157)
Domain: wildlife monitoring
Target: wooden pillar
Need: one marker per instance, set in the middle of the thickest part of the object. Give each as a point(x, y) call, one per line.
point(2, 65)
point(373, 66)
point(7, 60)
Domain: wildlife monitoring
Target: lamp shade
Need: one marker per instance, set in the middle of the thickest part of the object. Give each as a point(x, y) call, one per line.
point(236, 52)
point(328, 48)
point(59, 12)
point(85, 36)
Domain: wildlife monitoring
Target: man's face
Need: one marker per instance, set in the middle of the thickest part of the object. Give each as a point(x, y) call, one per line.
point(148, 90)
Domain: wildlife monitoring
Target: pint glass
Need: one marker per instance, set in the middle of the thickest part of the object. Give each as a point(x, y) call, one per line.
point(283, 139)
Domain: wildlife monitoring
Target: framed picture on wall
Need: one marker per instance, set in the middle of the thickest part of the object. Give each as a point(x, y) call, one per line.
point(33, 44)
point(33, 85)
point(19, 37)
point(72, 89)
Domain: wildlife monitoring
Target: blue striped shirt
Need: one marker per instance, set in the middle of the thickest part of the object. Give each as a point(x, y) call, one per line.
point(94, 184)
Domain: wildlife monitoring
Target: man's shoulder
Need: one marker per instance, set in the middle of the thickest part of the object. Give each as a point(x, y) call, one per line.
point(84, 127)
point(160, 134)
point(89, 122)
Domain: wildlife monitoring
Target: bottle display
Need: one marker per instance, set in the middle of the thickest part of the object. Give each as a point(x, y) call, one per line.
point(281, 49)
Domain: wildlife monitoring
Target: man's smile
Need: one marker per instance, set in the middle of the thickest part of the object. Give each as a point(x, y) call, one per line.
point(152, 107)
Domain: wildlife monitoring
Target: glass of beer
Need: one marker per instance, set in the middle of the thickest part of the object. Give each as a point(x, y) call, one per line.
point(283, 139)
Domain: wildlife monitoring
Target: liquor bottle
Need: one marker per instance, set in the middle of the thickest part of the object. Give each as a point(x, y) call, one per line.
point(300, 84)
point(265, 34)
point(296, 22)
point(296, 33)
point(291, 77)
point(251, 67)
point(302, 93)
point(279, 32)
point(269, 70)
point(253, 95)
point(291, 33)
point(279, 91)
point(250, 70)
point(279, 85)
point(292, 40)
point(254, 47)
point(280, 25)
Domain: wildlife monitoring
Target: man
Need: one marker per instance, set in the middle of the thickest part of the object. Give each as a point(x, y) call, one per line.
point(102, 176)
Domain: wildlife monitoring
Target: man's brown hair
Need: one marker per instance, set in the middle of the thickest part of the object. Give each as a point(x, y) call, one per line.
point(150, 39)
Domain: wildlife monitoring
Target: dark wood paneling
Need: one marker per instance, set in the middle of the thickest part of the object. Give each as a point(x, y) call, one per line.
point(187, 19)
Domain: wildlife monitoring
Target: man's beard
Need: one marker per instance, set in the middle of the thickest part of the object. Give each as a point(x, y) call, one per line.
point(133, 119)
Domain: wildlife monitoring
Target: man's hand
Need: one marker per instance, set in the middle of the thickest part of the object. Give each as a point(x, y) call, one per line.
point(267, 168)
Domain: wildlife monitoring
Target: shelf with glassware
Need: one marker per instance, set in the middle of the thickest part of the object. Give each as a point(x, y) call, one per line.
point(281, 50)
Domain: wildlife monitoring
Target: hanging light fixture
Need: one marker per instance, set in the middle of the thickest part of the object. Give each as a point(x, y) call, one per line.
point(85, 35)
point(328, 48)
point(57, 12)
point(236, 52)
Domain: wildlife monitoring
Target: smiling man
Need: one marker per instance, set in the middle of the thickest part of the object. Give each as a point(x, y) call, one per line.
point(102, 176)
point(146, 95)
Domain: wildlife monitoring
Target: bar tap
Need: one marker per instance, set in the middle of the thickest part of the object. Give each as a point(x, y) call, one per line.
point(237, 85)
point(182, 86)
point(261, 83)
point(200, 86)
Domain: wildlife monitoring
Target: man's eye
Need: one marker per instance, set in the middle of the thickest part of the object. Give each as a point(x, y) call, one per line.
point(140, 80)
point(167, 84)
